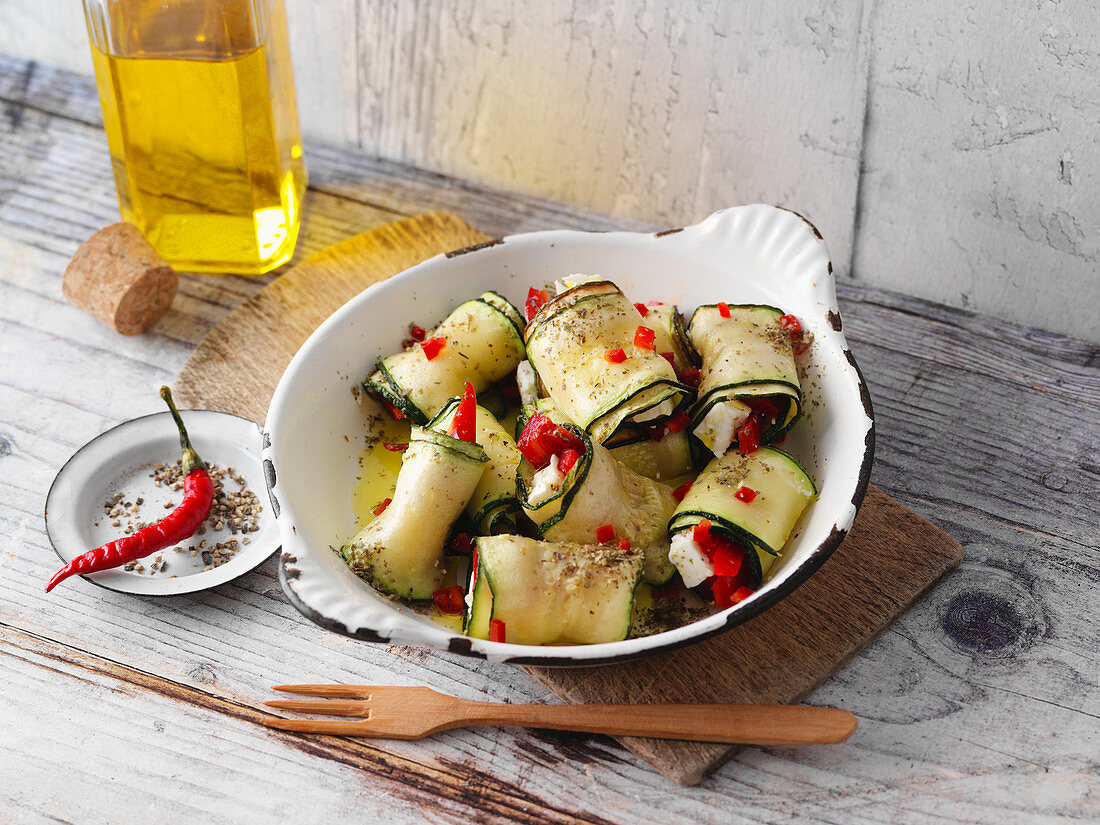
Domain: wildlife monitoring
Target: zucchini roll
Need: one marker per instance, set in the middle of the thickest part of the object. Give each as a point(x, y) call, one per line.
point(671, 336)
point(480, 342)
point(582, 344)
point(748, 390)
point(751, 500)
point(551, 593)
point(493, 506)
point(402, 551)
point(660, 459)
point(573, 490)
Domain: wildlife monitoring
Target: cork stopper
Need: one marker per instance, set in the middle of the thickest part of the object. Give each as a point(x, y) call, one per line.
point(117, 277)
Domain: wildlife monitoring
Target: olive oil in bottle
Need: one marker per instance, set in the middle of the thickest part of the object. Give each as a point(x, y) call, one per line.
point(201, 120)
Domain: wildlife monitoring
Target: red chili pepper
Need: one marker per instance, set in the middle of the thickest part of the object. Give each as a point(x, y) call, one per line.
point(396, 448)
point(432, 347)
point(450, 600)
point(691, 376)
point(461, 544)
point(624, 545)
point(605, 533)
point(464, 424)
point(510, 389)
point(417, 333)
point(745, 494)
point(567, 460)
point(615, 356)
point(727, 559)
point(643, 310)
point(670, 357)
point(700, 533)
point(723, 309)
point(643, 338)
point(497, 631)
point(657, 432)
point(180, 524)
point(535, 299)
point(748, 435)
point(678, 422)
point(381, 506)
point(681, 491)
point(740, 594)
point(392, 410)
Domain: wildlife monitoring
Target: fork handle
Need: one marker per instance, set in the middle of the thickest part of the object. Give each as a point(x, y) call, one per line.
point(735, 724)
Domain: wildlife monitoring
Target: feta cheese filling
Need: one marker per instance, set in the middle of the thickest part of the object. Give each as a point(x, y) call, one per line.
point(662, 410)
point(546, 482)
point(689, 559)
point(719, 425)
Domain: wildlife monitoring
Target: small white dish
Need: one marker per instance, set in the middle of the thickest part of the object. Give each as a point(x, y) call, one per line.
point(121, 461)
point(315, 429)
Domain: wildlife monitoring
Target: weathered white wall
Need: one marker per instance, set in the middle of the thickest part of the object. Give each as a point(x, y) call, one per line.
point(947, 149)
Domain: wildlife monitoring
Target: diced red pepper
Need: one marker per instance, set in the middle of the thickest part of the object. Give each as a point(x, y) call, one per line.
point(727, 559)
point(392, 410)
point(691, 376)
point(605, 533)
point(748, 435)
point(765, 405)
point(682, 491)
point(417, 333)
point(624, 545)
point(723, 309)
point(497, 631)
point(670, 357)
point(450, 600)
point(396, 448)
point(615, 356)
point(657, 432)
point(381, 506)
point(678, 422)
point(700, 533)
point(464, 424)
point(722, 590)
point(791, 324)
point(745, 494)
point(542, 438)
point(432, 347)
point(740, 594)
point(567, 459)
point(510, 389)
point(643, 338)
point(642, 309)
point(535, 299)
point(461, 544)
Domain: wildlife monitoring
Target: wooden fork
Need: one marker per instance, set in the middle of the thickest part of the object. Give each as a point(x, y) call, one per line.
point(415, 712)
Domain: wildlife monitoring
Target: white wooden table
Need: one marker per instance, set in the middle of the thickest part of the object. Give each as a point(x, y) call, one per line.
point(980, 706)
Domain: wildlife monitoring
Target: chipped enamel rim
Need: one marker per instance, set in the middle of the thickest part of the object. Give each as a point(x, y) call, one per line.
point(746, 254)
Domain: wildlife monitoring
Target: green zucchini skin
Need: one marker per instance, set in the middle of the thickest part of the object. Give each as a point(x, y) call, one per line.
point(552, 592)
point(663, 460)
point(783, 490)
point(493, 505)
point(672, 335)
point(484, 345)
point(403, 550)
point(566, 343)
point(599, 490)
point(747, 355)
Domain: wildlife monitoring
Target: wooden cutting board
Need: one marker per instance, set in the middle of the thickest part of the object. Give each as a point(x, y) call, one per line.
point(889, 560)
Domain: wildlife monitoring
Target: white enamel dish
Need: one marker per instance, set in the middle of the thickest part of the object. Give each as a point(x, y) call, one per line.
point(315, 428)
